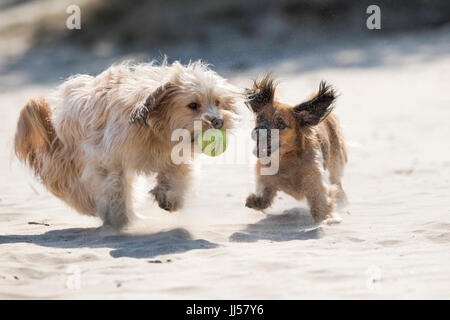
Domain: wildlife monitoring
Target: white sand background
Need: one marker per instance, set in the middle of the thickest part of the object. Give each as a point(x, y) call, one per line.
point(394, 241)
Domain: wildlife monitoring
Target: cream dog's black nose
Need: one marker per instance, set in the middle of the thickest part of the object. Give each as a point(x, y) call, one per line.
point(217, 123)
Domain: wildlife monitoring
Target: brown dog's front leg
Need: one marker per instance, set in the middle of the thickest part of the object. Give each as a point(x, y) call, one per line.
point(263, 199)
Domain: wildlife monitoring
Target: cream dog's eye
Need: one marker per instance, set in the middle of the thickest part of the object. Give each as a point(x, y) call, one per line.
point(217, 102)
point(193, 106)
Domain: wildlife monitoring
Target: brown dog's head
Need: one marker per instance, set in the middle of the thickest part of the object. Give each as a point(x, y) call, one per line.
point(292, 122)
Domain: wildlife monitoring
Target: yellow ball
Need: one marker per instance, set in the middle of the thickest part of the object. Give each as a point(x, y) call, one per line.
point(212, 142)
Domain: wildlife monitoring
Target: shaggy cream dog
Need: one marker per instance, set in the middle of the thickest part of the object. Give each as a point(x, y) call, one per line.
point(90, 138)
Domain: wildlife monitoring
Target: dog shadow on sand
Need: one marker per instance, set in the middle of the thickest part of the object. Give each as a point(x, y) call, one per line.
point(123, 245)
point(293, 224)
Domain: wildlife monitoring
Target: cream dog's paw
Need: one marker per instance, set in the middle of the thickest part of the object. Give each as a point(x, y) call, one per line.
point(166, 199)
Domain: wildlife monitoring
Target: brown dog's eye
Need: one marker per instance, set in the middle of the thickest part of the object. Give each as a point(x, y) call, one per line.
point(217, 102)
point(193, 106)
point(259, 119)
point(281, 125)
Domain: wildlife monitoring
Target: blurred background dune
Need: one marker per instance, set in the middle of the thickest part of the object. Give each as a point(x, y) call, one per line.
point(232, 35)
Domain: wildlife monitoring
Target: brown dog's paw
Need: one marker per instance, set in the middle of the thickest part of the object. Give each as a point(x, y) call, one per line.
point(165, 199)
point(257, 203)
point(334, 218)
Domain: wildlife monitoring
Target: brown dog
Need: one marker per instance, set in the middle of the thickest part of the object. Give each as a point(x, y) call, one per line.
point(310, 143)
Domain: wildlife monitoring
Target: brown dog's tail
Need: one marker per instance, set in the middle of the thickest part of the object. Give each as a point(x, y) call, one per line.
point(35, 134)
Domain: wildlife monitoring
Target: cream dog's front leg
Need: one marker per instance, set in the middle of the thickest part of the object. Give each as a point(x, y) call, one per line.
point(170, 187)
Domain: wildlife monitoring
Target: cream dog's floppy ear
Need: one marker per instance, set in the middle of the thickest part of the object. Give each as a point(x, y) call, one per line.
point(141, 112)
point(316, 109)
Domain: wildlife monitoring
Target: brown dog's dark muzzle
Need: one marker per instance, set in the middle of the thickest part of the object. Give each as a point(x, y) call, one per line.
point(263, 138)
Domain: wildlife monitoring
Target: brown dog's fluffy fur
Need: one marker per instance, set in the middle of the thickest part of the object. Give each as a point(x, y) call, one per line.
point(310, 143)
point(94, 134)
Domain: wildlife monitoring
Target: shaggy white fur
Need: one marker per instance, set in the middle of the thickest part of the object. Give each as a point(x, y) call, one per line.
point(93, 134)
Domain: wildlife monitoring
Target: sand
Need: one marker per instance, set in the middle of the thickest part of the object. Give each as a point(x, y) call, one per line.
point(394, 241)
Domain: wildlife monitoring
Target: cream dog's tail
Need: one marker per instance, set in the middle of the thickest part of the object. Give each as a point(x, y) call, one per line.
point(37, 145)
point(35, 134)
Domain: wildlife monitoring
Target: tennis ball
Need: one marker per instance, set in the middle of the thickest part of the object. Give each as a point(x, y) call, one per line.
point(212, 142)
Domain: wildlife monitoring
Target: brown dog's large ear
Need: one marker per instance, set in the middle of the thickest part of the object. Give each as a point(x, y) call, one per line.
point(261, 94)
point(141, 112)
point(316, 109)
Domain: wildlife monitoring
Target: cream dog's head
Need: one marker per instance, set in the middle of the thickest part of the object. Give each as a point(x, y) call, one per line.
point(191, 93)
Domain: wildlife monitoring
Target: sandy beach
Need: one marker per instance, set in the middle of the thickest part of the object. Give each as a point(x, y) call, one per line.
point(394, 241)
